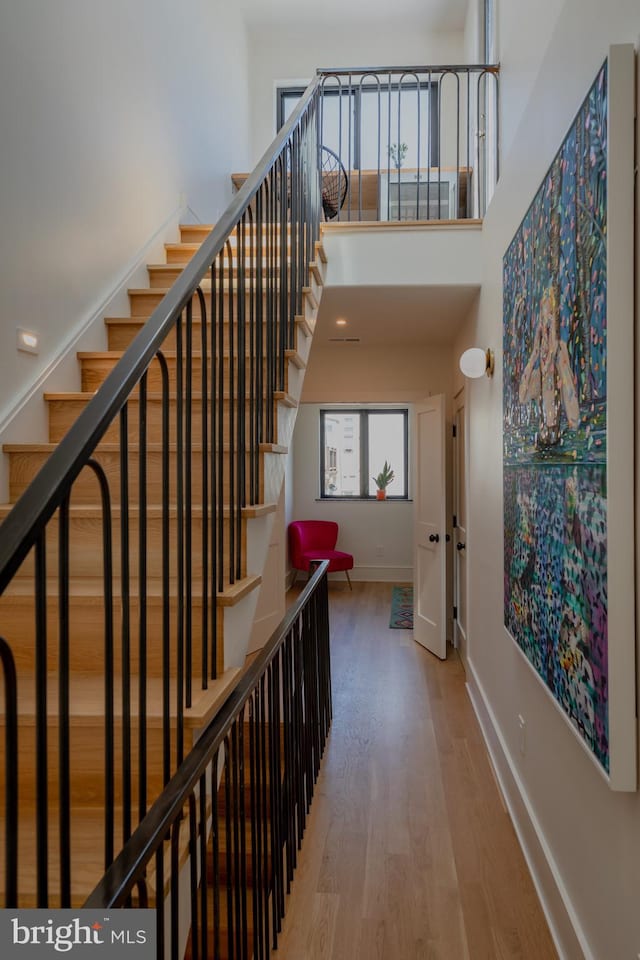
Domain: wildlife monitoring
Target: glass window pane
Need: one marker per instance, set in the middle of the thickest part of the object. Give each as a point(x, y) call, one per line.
point(341, 455)
point(408, 126)
point(387, 442)
point(338, 127)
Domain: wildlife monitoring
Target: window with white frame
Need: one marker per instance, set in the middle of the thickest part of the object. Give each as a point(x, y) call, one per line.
point(354, 446)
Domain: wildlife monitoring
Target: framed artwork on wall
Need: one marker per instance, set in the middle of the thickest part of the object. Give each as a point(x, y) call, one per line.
point(568, 426)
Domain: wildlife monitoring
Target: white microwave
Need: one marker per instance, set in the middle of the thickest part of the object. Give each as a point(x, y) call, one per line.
point(424, 195)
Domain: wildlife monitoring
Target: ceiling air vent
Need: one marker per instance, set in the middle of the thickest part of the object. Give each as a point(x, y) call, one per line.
point(344, 339)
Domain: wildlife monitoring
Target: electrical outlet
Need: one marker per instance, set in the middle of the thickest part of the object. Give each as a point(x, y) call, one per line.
point(522, 734)
point(379, 551)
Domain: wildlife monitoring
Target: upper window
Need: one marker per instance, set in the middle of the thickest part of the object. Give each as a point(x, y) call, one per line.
point(365, 123)
point(354, 446)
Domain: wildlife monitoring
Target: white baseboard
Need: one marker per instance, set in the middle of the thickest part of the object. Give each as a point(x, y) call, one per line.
point(564, 924)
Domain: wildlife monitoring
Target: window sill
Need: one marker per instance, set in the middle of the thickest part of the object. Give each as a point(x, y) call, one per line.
point(363, 500)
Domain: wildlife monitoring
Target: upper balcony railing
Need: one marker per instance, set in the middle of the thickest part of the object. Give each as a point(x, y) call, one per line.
point(409, 143)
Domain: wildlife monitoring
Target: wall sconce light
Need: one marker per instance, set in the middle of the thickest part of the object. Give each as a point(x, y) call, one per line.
point(475, 362)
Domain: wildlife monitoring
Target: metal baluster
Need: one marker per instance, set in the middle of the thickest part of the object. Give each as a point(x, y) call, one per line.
point(193, 870)
point(109, 649)
point(233, 451)
point(126, 623)
point(215, 853)
point(229, 847)
point(204, 414)
point(188, 508)
point(220, 419)
point(250, 361)
point(204, 867)
point(166, 571)
point(241, 496)
point(64, 757)
point(175, 891)
point(142, 600)
point(160, 948)
point(42, 809)
point(180, 543)
point(10, 775)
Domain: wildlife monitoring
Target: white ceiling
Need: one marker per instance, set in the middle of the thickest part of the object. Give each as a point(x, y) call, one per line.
point(436, 15)
point(394, 314)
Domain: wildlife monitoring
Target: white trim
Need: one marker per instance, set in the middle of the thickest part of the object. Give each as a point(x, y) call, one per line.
point(568, 935)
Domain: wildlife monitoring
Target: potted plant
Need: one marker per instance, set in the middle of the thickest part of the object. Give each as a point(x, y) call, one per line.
point(397, 152)
point(382, 481)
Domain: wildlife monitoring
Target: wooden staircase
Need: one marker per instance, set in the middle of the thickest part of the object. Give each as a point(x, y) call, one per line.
point(235, 601)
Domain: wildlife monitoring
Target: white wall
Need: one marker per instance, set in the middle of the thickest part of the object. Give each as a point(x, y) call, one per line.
point(376, 374)
point(294, 53)
point(584, 838)
point(110, 115)
point(523, 34)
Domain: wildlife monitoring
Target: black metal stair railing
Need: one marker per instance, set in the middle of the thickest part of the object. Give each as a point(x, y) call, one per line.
point(411, 143)
point(191, 473)
point(236, 808)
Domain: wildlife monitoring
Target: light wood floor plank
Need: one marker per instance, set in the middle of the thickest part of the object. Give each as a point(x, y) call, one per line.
point(409, 853)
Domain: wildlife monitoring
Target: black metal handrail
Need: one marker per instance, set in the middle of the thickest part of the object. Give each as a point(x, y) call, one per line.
point(282, 704)
point(213, 358)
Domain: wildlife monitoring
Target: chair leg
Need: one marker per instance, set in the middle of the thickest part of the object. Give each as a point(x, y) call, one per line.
point(348, 580)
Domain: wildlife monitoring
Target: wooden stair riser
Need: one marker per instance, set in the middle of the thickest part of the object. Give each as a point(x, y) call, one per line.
point(198, 232)
point(181, 253)
point(86, 543)
point(87, 629)
point(87, 775)
point(63, 412)
point(23, 467)
point(95, 369)
point(121, 331)
point(144, 301)
point(165, 274)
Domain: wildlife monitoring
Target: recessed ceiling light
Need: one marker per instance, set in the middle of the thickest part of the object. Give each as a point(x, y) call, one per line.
point(341, 322)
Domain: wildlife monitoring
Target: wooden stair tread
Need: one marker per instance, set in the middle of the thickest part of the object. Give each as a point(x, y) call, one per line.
point(86, 699)
point(90, 589)
point(90, 511)
point(291, 355)
point(205, 286)
point(285, 398)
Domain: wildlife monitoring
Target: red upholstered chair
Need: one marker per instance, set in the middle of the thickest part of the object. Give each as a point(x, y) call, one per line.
point(311, 540)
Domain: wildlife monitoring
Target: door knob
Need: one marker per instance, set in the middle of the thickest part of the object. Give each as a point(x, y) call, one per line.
point(460, 546)
point(434, 538)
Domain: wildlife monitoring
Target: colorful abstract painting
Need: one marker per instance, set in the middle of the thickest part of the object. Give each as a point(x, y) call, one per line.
point(555, 427)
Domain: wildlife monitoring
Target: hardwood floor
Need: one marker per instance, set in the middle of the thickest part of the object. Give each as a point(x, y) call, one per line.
point(409, 853)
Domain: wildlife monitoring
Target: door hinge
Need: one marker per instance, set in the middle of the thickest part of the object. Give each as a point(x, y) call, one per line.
point(455, 613)
point(455, 520)
point(454, 431)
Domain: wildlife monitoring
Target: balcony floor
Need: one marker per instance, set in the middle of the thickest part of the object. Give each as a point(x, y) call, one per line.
point(409, 853)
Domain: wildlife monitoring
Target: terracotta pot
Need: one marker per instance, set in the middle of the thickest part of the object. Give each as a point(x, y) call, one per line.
point(381, 494)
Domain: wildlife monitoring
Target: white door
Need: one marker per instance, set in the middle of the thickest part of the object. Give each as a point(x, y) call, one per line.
point(459, 526)
point(429, 590)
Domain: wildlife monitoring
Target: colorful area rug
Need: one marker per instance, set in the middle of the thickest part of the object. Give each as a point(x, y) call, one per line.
point(402, 608)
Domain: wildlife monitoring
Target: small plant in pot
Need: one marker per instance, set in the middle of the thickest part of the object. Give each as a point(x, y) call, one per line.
point(382, 481)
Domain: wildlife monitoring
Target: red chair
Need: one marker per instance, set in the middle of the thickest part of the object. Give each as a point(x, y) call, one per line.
point(311, 540)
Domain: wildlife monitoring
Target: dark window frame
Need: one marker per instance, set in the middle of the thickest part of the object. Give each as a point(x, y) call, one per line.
point(431, 86)
point(364, 413)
